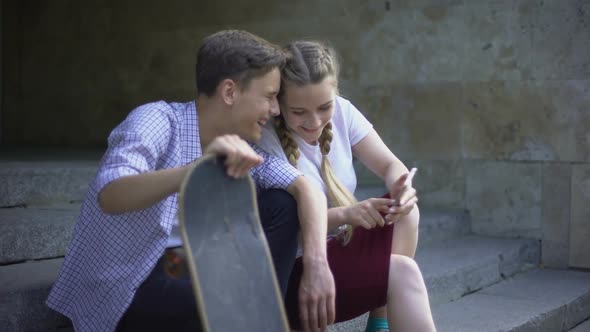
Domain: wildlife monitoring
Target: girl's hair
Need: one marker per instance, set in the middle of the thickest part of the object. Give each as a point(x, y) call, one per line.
point(310, 62)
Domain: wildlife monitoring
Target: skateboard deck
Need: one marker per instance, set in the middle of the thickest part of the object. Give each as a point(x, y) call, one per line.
point(230, 264)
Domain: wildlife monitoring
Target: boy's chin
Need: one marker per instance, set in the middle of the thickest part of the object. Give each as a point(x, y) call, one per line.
point(255, 136)
point(255, 139)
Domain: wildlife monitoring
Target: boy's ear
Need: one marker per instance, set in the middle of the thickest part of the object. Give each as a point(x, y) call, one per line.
point(228, 91)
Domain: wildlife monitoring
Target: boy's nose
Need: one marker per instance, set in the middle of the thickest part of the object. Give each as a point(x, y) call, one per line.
point(274, 108)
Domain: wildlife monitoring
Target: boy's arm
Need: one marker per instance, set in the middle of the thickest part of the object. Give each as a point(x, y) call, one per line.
point(317, 292)
point(313, 212)
point(141, 191)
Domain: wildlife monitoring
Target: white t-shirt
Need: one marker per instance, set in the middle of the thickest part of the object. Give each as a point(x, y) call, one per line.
point(349, 127)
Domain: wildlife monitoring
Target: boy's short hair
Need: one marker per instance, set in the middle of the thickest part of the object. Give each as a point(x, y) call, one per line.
point(234, 54)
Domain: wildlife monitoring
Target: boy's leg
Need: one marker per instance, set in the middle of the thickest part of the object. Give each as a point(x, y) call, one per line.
point(162, 303)
point(278, 215)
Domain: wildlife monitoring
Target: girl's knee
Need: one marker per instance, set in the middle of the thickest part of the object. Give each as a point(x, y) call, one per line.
point(401, 265)
point(404, 274)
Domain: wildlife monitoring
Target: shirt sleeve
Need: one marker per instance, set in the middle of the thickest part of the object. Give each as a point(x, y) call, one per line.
point(274, 172)
point(136, 144)
point(358, 125)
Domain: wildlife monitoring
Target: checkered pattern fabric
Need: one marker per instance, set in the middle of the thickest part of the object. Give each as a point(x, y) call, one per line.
point(111, 255)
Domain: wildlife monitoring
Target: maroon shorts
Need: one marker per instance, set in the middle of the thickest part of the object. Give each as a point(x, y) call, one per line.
point(360, 269)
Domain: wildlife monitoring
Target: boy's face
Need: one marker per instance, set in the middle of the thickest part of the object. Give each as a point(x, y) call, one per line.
point(256, 104)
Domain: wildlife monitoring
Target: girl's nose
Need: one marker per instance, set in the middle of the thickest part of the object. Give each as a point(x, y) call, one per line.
point(314, 121)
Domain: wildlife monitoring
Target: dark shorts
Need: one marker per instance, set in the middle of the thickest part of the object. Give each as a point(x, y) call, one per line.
point(165, 300)
point(361, 273)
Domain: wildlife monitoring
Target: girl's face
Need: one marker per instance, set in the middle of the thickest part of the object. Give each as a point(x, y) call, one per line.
point(307, 109)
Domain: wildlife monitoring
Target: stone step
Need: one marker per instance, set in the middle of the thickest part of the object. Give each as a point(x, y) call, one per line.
point(437, 225)
point(466, 264)
point(30, 176)
point(462, 265)
point(451, 269)
point(36, 233)
point(25, 183)
point(44, 231)
point(583, 327)
point(23, 290)
point(539, 300)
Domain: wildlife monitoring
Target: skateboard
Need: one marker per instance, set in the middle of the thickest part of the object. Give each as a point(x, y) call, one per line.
point(229, 261)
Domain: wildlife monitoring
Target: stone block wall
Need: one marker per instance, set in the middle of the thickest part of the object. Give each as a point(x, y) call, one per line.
point(490, 99)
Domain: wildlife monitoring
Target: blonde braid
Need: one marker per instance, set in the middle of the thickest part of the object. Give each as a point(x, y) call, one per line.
point(312, 62)
point(337, 192)
point(287, 142)
point(326, 138)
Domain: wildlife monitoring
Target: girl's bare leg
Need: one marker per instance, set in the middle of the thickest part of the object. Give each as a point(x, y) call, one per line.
point(405, 241)
point(407, 299)
point(405, 234)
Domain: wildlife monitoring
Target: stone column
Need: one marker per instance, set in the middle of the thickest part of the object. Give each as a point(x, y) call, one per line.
point(579, 253)
point(556, 207)
point(1, 78)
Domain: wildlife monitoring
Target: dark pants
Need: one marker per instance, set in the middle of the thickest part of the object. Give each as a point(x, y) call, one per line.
point(166, 303)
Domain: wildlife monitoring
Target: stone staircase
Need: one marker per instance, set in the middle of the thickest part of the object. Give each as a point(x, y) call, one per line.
point(475, 283)
point(40, 198)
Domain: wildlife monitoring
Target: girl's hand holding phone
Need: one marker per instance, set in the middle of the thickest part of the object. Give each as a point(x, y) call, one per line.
point(404, 196)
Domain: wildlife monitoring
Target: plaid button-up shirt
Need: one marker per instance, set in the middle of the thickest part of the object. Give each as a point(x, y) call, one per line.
point(111, 255)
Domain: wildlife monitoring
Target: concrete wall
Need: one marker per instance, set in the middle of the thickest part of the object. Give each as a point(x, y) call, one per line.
point(77, 68)
point(491, 99)
point(1, 20)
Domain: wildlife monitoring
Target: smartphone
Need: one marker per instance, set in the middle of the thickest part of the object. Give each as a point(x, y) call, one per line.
point(406, 184)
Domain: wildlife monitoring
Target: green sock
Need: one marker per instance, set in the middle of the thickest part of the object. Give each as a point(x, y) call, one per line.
point(376, 324)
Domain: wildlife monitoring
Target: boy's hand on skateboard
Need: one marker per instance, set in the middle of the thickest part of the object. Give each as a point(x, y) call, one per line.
point(240, 157)
point(317, 296)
